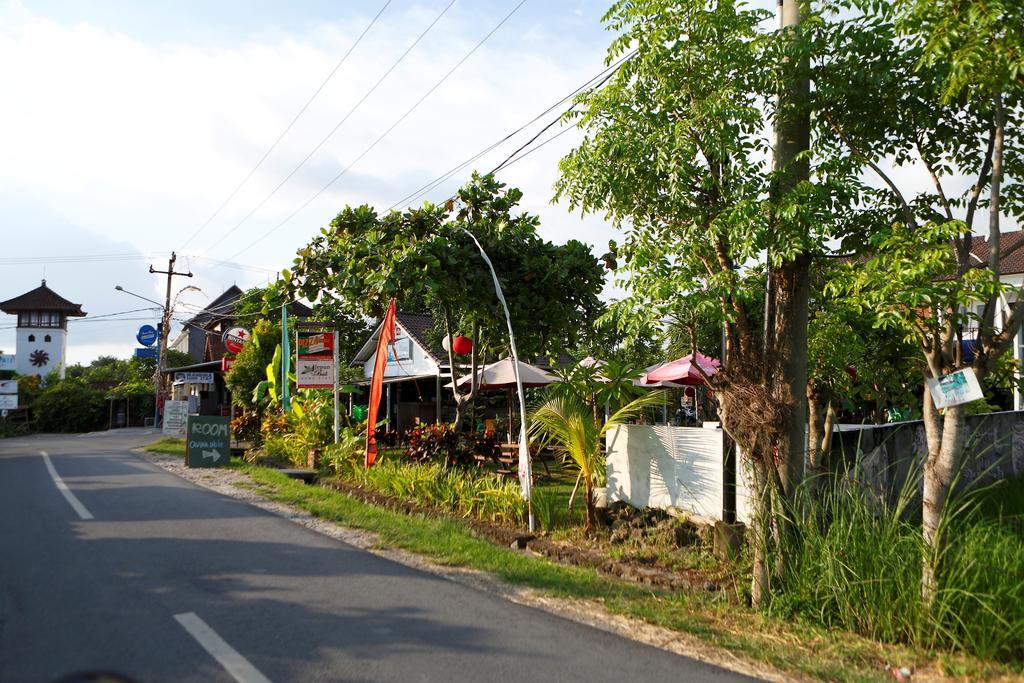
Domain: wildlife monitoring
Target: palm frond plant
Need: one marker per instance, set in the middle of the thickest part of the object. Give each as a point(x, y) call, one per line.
point(569, 423)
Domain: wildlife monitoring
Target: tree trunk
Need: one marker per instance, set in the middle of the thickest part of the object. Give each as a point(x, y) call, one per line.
point(588, 494)
point(939, 471)
point(761, 532)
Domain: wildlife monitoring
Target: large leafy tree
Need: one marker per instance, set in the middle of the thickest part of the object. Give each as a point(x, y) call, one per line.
point(698, 148)
point(425, 259)
point(946, 79)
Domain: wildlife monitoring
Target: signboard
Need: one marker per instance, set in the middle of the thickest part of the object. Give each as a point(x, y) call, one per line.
point(208, 441)
point(314, 373)
point(175, 414)
point(8, 401)
point(194, 377)
point(235, 338)
point(955, 389)
point(148, 352)
point(226, 363)
point(8, 386)
point(6, 362)
point(321, 344)
point(147, 335)
point(314, 361)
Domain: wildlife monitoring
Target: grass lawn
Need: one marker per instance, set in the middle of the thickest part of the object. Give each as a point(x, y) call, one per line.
point(167, 444)
point(792, 647)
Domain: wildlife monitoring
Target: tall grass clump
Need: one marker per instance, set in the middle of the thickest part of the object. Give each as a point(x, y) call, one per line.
point(856, 566)
point(484, 496)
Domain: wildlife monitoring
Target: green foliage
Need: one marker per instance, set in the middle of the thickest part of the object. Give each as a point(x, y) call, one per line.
point(858, 569)
point(572, 425)
point(250, 366)
point(70, 405)
point(423, 258)
point(464, 492)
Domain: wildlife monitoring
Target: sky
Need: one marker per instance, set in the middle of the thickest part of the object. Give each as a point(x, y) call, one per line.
point(125, 125)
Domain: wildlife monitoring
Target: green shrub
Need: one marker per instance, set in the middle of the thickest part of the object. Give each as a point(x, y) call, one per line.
point(857, 567)
point(68, 405)
point(464, 492)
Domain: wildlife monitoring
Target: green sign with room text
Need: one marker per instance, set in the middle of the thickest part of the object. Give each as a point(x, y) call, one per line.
point(208, 441)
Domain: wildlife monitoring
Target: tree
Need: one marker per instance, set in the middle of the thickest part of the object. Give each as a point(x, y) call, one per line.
point(569, 422)
point(425, 260)
point(948, 76)
point(679, 152)
point(249, 368)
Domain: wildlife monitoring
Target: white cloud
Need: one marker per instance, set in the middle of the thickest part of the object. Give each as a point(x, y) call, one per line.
point(139, 141)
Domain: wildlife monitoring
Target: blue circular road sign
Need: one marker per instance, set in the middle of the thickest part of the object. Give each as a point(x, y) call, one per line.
point(147, 335)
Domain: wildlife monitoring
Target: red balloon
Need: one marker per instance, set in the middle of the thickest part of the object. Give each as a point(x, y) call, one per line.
point(462, 345)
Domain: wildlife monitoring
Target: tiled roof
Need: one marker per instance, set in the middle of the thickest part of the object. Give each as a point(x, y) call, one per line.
point(417, 325)
point(42, 298)
point(1012, 263)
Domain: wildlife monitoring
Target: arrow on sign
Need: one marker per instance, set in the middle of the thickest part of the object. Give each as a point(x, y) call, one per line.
point(210, 455)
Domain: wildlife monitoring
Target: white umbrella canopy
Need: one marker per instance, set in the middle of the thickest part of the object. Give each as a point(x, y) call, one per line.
point(501, 375)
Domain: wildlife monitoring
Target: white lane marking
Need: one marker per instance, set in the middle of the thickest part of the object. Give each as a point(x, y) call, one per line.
point(235, 664)
point(63, 488)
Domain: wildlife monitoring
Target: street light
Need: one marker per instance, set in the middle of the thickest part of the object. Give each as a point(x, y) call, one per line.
point(165, 329)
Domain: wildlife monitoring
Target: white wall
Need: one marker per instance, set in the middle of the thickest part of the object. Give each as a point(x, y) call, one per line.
point(664, 466)
point(417, 363)
point(56, 348)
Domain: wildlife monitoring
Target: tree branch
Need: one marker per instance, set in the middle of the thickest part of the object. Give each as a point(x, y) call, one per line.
point(907, 213)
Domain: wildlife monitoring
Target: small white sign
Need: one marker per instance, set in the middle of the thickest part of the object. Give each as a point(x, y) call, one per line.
point(6, 361)
point(8, 401)
point(955, 389)
point(314, 373)
point(194, 377)
point(175, 415)
point(8, 386)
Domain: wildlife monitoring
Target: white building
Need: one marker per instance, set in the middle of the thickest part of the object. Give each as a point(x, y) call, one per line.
point(42, 332)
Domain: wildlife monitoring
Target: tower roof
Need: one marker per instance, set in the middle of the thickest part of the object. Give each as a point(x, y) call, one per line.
point(42, 298)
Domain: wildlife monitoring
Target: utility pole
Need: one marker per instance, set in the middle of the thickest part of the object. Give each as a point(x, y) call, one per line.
point(165, 330)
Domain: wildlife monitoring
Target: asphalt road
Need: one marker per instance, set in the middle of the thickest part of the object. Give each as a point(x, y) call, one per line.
point(134, 570)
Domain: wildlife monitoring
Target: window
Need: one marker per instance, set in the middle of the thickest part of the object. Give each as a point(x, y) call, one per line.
point(31, 337)
point(33, 319)
point(47, 338)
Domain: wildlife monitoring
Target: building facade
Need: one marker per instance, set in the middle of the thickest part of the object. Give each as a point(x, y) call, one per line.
point(42, 330)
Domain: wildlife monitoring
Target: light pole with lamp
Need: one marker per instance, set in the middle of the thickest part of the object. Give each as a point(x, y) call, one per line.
point(165, 328)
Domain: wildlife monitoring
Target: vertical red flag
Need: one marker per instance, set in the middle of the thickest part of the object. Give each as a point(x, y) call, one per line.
point(386, 339)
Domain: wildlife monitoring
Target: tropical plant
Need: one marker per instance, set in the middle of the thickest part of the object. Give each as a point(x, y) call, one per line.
point(570, 424)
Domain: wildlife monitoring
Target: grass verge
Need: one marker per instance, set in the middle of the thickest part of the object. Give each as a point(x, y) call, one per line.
point(167, 444)
point(794, 648)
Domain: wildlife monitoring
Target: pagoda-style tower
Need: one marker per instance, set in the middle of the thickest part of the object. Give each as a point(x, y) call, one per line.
point(42, 336)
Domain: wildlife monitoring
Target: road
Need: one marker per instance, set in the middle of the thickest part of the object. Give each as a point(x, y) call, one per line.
point(108, 562)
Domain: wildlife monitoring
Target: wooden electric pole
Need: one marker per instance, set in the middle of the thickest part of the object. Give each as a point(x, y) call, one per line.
point(165, 330)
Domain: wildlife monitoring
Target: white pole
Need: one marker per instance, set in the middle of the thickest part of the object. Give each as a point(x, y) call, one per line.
point(525, 476)
point(337, 370)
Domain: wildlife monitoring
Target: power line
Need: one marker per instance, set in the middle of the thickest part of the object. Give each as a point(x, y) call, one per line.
point(287, 128)
point(78, 258)
point(448, 174)
point(384, 134)
point(336, 127)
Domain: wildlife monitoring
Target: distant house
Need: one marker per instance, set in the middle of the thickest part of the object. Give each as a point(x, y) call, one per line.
point(413, 375)
point(1011, 272)
point(200, 335)
point(202, 338)
point(419, 373)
